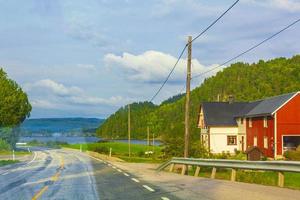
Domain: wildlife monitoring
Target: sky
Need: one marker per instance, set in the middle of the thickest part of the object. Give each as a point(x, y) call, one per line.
point(88, 58)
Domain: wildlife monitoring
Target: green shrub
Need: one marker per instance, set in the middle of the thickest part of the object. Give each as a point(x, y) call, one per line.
point(4, 146)
point(102, 149)
point(292, 155)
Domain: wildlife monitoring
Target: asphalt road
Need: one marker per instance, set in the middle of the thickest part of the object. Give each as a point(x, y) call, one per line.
point(67, 174)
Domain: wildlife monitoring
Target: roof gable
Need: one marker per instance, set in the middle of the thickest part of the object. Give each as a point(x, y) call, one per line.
point(270, 105)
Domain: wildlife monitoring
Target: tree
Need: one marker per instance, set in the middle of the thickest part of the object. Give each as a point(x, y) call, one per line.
point(14, 107)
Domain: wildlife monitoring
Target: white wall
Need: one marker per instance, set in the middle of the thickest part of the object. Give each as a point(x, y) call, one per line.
point(218, 139)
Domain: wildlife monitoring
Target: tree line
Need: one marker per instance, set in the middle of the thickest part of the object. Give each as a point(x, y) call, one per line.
point(246, 82)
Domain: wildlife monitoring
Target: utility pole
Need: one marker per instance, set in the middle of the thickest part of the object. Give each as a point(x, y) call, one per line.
point(187, 99)
point(153, 142)
point(129, 130)
point(148, 136)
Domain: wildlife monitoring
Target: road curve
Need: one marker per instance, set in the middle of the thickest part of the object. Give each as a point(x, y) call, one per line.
point(67, 174)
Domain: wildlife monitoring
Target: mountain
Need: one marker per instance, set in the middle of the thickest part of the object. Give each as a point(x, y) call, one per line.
point(244, 81)
point(66, 126)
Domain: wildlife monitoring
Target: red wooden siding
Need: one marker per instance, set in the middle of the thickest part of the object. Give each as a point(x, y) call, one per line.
point(288, 121)
point(260, 132)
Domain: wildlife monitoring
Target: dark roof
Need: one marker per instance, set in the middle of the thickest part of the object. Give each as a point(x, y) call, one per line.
point(224, 113)
point(221, 113)
point(269, 105)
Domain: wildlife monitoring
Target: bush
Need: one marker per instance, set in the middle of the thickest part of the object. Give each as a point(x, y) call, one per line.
point(4, 146)
point(292, 155)
point(102, 149)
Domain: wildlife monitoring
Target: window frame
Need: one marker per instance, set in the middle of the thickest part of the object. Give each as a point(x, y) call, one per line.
point(255, 141)
point(265, 122)
point(231, 138)
point(266, 142)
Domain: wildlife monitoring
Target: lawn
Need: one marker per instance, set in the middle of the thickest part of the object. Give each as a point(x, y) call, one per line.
point(8, 162)
point(17, 153)
point(120, 150)
point(292, 180)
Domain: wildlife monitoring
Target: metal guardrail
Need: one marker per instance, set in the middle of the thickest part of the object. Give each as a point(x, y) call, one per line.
point(277, 166)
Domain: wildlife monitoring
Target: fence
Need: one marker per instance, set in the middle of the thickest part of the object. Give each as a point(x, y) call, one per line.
point(277, 166)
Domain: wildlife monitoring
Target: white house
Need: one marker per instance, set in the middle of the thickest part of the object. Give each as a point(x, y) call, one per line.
point(221, 130)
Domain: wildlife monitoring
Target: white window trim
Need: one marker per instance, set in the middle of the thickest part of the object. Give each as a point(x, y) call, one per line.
point(255, 141)
point(265, 122)
point(266, 143)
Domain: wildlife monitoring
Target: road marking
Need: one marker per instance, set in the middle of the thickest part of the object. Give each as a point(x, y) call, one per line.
point(54, 178)
point(165, 198)
point(114, 167)
point(109, 165)
point(126, 174)
point(37, 195)
point(135, 180)
point(34, 157)
point(4, 173)
point(119, 170)
point(148, 188)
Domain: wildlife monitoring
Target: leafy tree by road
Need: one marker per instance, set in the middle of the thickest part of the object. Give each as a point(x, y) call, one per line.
point(14, 108)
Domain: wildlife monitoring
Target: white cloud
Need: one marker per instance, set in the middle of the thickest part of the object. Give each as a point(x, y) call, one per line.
point(289, 5)
point(56, 88)
point(152, 66)
point(49, 94)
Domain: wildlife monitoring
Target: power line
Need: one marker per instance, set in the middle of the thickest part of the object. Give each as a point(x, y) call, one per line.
point(180, 55)
point(248, 50)
point(214, 22)
point(169, 74)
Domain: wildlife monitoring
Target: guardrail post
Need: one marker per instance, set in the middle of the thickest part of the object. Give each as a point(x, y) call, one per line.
point(183, 170)
point(280, 179)
point(233, 174)
point(171, 167)
point(197, 171)
point(213, 172)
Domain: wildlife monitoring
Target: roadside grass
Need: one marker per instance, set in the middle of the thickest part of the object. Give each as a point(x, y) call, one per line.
point(120, 150)
point(8, 162)
point(17, 153)
point(292, 180)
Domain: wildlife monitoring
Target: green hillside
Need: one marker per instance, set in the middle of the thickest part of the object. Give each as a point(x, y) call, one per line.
point(245, 81)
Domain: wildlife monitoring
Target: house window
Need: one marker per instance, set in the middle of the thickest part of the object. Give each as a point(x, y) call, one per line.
point(265, 122)
point(242, 120)
point(231, 140)
point(250, 122)
point(265, 142)
point(255, 141)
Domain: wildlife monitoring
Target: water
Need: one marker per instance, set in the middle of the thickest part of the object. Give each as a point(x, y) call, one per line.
point(78, 140)
point(70, 140)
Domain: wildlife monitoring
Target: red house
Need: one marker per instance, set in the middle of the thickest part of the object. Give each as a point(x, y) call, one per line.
point(273, 124)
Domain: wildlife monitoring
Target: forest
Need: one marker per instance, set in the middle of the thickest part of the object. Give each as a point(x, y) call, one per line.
point(246, 82)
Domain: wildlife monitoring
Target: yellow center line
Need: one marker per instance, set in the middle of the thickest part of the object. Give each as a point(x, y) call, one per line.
point(37, 195)
point(54, 178)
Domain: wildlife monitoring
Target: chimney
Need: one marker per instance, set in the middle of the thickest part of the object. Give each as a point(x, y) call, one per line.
point(230, 99)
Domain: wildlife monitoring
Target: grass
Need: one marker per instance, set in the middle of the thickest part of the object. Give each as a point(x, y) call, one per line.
point(120, 150)
point(292, 180)
point(17, 153)
point(8, 162)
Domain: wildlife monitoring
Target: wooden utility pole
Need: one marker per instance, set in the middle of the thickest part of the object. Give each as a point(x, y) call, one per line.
point(129, 152)
point(187, 99)
point(148, 136)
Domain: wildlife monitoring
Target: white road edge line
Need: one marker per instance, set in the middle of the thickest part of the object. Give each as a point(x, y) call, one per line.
point(33, 159)
point(4, 173)
point(135, 180)
point(126, 174)
point(119, 170)
point(165, 198)
point(148, 188)
point(114, 167)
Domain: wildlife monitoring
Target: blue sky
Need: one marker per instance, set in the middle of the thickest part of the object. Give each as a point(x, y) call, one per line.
point(88, 58)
